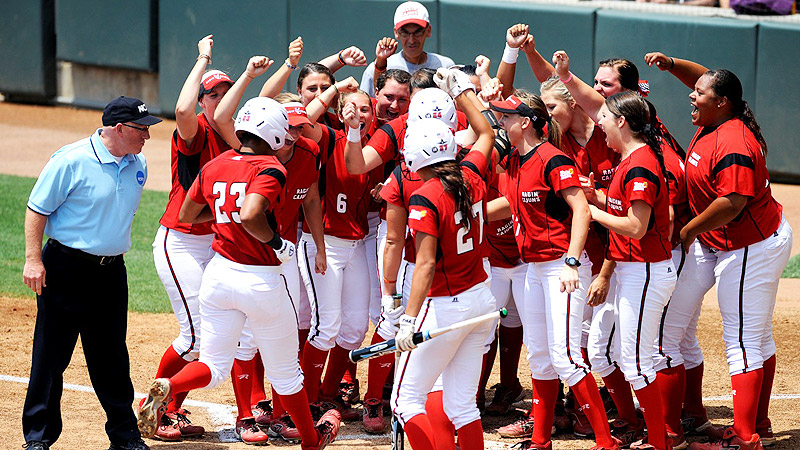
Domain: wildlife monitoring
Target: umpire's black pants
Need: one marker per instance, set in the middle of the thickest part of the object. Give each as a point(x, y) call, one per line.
point(85, 298)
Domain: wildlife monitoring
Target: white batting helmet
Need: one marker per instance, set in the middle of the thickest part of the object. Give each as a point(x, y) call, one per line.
point(265, 118)
point(433, 103)
point(428, 141)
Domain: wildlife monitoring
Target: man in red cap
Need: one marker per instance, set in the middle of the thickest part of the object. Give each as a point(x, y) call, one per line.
point(412, 27)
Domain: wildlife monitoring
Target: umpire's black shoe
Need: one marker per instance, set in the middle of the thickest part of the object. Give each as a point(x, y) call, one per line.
point(133, 444)
point(35, 445)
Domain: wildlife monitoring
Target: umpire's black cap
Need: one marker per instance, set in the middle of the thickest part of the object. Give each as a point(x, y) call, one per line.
point(127, 109)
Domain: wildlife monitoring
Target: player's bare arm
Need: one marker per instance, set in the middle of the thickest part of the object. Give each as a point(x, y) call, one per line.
point(185, 117)
point(581, 217)
point(396, 218)
point(312, 211)
point(223, 116)
point(633, 225)
point(598, 290)
point(350, 56)
point(498, 209)
point(33, 274)
point(277, 81)
point(193, 212)
point(319, 106)
point(590, 100)
point(719, 212)
point(688, 72)
point(423, 272)
point(253, 218)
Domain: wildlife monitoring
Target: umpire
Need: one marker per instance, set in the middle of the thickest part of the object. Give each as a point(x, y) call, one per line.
point(85, 199)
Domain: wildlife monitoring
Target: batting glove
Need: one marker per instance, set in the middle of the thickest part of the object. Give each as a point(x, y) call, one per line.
point(404, 338)
point(392, 316)
point(452, 81)
point(286, 251)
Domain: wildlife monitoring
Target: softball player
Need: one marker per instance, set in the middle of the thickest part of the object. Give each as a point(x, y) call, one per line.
point(544, 195)
point(181, 251)
point(240, 191)
point(445, 216)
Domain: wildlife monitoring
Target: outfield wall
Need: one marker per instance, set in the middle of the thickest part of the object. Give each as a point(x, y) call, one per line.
point(84, 52)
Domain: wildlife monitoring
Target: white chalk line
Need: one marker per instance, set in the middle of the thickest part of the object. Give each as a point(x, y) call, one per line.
point(224, 416)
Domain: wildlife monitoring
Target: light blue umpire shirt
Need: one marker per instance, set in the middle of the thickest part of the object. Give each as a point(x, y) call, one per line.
point(90, 199)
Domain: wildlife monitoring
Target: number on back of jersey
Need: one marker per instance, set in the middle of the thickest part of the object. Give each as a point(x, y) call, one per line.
point(464, 243)
point(234, 194)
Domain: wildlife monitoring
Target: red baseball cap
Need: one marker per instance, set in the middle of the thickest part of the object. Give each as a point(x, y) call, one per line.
point(211, 79)
point(513, 105)
point(297, 114)
point(411, 12)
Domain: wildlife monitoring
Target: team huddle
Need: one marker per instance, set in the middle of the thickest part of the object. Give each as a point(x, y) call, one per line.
point(432, 193)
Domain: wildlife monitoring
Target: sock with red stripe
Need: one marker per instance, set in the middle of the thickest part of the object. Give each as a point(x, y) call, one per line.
point(486, 370)
point(337, 366)
point(746, 393)
point(620, 391)
point(762, 417)
point(242, 380)
point(693, 396)
point(312, 364)
point(442, 430)
point(277, 406)
point(653, 410)
point(419, 433)
point(379, 369)
point(302, 337)
point(297, 406)
point(670, 381)
point(258, 392)
point(470, 436)
point(195, 375)
point(545, 394)
point(510, 348)
point(587, 395)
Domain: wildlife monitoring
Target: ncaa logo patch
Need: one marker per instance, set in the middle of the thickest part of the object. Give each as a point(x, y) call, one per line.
point(140, 178)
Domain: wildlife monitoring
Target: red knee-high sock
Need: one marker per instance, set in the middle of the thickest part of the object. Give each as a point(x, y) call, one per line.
point(171, 362)
point(313, 363)
point(350, 375)
point(486, 369)
point(545, 394)
point(195, 375)
point(670, 381)
point(337, 365)
point(746, 393)
point(258, 392)
point(277, 405)
point(470, 436)
point(762, 417)
point(693, 396)
point(650, 401)
point(242, 380)
point(510, 348)
point(418, 431)
point(442, 430)
point(587, 395)
point(379, 369)
point(302, 337)
point(297, 405)
point(620, 391)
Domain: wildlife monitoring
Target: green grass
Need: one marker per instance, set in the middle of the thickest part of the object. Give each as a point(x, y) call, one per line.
point(792, 269)
point(146, 294)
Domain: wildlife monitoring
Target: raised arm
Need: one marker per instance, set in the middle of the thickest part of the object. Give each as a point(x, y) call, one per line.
point(590, 100)
point(274, 85)
point(457, 84)
point(383, 50)
point(317, 107)
point(688, 72)
point(350, 56)
point(223, 116)
point(185, 116)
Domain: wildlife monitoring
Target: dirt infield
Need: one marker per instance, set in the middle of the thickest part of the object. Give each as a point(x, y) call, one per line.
point(32, 133)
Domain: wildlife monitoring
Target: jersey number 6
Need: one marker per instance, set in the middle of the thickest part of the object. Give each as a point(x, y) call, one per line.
point(463, 243)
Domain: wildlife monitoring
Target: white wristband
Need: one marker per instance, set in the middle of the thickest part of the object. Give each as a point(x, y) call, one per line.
point(510, 54)
point(354, 135)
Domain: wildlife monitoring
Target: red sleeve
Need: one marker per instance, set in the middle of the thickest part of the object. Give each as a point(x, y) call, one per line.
point(734, 169)
point(561, 173)
point(641, 183)
point(269, 183)
point(385, 142)
point(475, 162)
point(676, 176)
point(391, 191)
point(198, 142)
point(326, 144)
point(423, 215)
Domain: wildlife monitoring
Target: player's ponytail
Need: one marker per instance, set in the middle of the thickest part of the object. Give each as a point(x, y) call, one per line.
point(454, 183)
point(726, 84)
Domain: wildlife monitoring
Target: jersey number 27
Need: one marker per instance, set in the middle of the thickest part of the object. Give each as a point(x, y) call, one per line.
point(464, 243)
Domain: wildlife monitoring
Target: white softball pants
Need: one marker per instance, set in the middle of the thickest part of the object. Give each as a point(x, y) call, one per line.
point(233, 293)
point(340, 298)
point(457, 356)
point(508, 288)
point(180, 259)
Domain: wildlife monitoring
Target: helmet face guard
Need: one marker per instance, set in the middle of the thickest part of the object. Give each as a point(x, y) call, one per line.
point(265, 118)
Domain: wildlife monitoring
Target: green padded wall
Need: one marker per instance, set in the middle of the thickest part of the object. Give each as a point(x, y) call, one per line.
point(27, 48)
point(462, 40)
point(778, 97)
point(713, 42)
point(248, 28)
point(111, 34)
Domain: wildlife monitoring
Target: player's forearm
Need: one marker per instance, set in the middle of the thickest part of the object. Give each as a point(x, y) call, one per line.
point(420, 285)
point(541, 68)
point(34, 232)
point(720, 212)
point(581, 217)
point(274, 84)
point(506, 73)
point(354, 158)
point(688, 72)
point(312, 210)
point(187, 98)
point(392, 256)
point(587, 98)
point(607, 269)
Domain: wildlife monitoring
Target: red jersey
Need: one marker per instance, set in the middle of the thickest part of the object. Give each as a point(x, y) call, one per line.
point(185, 164)
point(595, 157)
point(389, 139)
point(402, 183)
point(639, 177)
point(503, 250)
point(222, 184)
point(459, 260)
point(676, 179)
point(303, 170)
point(728, 159)
point(345, 197)
point(542, 219)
